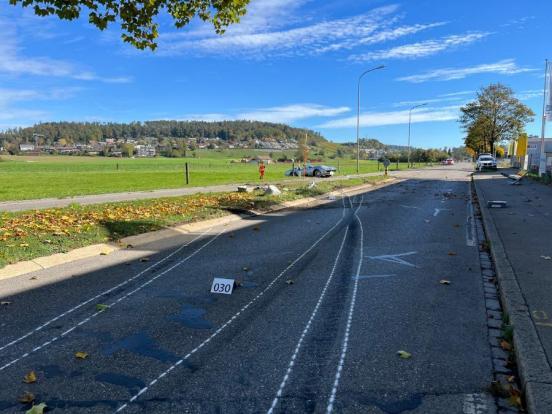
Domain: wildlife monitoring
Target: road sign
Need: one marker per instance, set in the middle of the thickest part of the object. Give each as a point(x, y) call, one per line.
point(221, 285)
point(386, 163)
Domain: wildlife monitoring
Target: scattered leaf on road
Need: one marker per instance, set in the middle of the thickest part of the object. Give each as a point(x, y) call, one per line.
point(30, 378)
point(104, 253)
point(404, 354)
point(444, 282)
point(452, 253)
point(515, 397)
point(245, 268)
point(101, 307)
point(26, 398)
point(290, 282)
point(511, 378)
point(81, 355)
point(33, 278)
point(231, 235)
point(24, 245)
point(546, 257)
point(456, 225)
point(5, 303)
point(427, 221)
point(507, 346)
point(256, 228)
point(144, 259)
point(130, 246)
point(37, 409)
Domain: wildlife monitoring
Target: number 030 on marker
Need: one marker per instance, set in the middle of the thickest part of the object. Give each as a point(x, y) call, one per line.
point(223, 286)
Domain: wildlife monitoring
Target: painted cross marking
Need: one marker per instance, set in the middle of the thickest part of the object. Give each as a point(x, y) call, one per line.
point(394, 258)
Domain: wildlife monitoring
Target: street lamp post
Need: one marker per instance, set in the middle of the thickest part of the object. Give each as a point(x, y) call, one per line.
point(409, 124)
point(358, 113)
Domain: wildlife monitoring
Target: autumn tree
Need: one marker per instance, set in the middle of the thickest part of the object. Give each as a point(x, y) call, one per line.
point(496, 115)
point(138, 18)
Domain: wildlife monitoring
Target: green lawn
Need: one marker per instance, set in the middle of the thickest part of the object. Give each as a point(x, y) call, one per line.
point(27, 177)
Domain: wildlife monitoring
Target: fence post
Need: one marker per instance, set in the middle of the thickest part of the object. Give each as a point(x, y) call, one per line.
point(117, 166)
point(338, 165)
point(187, 174)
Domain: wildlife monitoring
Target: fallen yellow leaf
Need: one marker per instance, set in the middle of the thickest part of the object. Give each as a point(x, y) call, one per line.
point(101, 307)
point(37, 409)
point(26, 398)
point(404, 354)
point(30, 377)
point(81, 355)
point(444, 282)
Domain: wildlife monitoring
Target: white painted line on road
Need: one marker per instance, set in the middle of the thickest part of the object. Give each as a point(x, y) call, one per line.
point(236, 315)
point(105, 292)
point(438, 210)
point(86, 320)
point(412, 207)
point(372, 276)
point(394, 258)
point(307, 327)
point(474, 404)
point(345, 345)
point(470, 221)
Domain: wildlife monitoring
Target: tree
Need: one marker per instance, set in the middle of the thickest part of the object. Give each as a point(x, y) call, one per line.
point(137, 18)
point(496, 115)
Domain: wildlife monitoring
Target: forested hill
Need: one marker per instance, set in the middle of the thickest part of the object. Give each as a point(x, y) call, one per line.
point(82, 132)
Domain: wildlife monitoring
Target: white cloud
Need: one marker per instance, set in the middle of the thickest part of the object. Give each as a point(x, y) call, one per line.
point(503, 67)
point(373, 119)
point(278, 114)
point(13, 63)
point(271, 29)
point(290, 113)
point(420, 49)
point(529, 94)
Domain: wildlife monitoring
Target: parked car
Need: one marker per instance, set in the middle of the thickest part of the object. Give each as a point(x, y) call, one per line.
point(312, 171)
point(485, 161)
point(448, 161)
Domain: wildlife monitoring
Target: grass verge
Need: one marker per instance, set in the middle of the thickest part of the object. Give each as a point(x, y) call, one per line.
point(31, 234)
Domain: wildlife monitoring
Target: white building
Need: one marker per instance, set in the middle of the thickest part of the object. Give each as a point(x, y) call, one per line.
point(145, 151)
point(533, 152)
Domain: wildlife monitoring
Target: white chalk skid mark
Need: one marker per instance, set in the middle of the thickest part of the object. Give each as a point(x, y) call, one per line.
point(345, 344)
point(394, 258)
point(112, 304)
point(307, 328)
point(372, 276)
point(105, 292)
point(237, 314)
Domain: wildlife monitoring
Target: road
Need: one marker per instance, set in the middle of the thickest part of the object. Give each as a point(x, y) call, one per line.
point(328, 296)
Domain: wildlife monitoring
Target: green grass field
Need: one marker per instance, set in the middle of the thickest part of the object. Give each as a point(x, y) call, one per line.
point(26, 177)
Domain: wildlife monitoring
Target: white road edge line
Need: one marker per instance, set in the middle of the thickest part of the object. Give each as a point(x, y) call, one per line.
point(86, 320)
point(236, 315)
point(307, 327)
point(470, 220)
point(345, 345)
point(105, 292)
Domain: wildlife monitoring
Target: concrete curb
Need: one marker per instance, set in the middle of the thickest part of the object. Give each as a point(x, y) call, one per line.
point(46, 262)
point(535, 373)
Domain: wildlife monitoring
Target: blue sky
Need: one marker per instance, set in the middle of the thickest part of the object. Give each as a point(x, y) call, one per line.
point(290, 61)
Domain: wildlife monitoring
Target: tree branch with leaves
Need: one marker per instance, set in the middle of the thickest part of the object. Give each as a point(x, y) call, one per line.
point(138, 18)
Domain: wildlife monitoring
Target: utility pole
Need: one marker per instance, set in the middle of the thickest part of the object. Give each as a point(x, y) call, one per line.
point(545, 110)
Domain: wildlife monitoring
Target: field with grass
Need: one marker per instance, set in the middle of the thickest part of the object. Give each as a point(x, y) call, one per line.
point(31, 234)
point(28, 177)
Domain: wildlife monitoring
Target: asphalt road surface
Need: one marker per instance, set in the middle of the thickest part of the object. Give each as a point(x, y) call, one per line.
point(328, 297)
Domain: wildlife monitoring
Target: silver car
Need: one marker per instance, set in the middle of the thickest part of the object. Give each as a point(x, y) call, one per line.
point(486, 161)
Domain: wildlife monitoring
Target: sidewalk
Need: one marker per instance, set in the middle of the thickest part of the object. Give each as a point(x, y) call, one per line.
point(520, 236)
